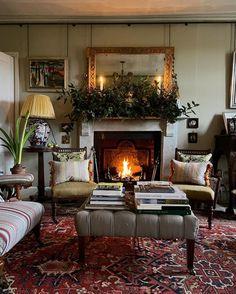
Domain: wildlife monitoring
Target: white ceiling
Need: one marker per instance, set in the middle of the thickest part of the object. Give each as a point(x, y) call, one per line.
point(115, 11)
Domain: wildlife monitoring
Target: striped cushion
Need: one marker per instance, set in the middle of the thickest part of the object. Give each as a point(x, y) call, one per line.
point(16, 220)
point(16, 179)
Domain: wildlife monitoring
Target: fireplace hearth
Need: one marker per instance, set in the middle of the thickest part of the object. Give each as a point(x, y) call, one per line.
point(167, 133)
point(127, 156)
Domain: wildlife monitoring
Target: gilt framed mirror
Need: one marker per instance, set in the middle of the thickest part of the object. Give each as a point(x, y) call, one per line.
point(108, 63)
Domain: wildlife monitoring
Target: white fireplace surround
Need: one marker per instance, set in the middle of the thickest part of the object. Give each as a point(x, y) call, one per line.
point(168, 135)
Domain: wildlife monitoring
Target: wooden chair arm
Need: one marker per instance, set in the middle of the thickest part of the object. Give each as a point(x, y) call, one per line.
point(215, 183)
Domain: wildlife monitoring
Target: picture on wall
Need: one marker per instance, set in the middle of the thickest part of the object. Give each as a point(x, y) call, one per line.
point(192, 137)
point(47, 74)
point(233, 83)
point(229, 122)
point(192, 123)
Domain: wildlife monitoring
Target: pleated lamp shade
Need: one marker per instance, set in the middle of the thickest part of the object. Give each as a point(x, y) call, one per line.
point(39, 106)
point(40, 109)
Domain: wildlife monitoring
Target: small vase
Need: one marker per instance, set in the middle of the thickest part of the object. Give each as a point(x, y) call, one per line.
point(18, 169)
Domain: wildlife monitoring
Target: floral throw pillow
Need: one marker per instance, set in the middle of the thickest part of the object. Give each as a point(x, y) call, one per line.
point(190, 172)
point(194, 157)
point(64, 156)
point(68, 171)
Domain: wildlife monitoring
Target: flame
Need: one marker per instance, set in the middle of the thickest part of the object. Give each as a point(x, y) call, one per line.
point(126, 172)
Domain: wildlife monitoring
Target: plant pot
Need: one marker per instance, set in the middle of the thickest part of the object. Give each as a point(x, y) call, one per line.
point(18, 169)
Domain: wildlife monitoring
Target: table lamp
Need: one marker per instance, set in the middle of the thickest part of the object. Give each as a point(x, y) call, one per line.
point(40, 109)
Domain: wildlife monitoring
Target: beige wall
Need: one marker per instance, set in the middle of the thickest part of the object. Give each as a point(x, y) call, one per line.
point(202, 62)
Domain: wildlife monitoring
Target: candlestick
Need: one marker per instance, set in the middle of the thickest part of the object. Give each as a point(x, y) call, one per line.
point(159, 83)
point(101, 79)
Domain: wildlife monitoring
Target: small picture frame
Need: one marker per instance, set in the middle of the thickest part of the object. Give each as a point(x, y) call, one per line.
point(65, 139)
point(231, 125)
point(228, 118)
point(192, 137)
point(192, 123)
point(233, 82)
point(47, 74)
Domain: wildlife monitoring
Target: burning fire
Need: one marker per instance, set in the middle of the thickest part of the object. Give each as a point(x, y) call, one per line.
point(127, 171)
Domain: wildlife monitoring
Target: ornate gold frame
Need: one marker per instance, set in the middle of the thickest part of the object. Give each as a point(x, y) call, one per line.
point(168, 66)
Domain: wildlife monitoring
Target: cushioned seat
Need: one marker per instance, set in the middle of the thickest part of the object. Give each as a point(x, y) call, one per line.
point(16, 220)
point(192, 172)
point(15, 182)
point(73, 190)
point(71, 176)
point(197, 192)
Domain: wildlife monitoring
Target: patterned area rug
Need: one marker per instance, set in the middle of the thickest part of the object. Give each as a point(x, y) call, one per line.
point(122, 265)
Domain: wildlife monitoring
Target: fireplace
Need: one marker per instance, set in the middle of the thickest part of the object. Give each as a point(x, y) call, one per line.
point(161, 137)
point(127, 156)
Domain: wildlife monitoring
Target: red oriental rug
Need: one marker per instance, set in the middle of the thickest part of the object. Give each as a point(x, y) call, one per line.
point(122, 265)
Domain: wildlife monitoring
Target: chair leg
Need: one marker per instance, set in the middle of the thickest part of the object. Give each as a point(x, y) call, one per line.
point(17, 191)
point(210, 215)
point(3, 282)
point(36, 231)
point(54, 212)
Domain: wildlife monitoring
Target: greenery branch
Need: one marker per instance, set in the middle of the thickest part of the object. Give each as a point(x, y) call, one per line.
point(126, 99)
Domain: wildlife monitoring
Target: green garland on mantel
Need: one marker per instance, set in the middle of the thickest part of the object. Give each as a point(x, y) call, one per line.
point(135, 100)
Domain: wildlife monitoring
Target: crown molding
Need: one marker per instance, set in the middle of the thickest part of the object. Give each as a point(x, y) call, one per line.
point(182, 18)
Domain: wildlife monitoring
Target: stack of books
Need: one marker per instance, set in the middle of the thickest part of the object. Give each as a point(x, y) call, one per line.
point(107, 196)
point(160, 197)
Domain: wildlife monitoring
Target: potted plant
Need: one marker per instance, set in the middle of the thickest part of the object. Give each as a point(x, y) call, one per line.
point(15, 141)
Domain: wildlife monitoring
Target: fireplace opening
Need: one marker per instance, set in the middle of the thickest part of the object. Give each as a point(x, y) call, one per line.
point(128, 156)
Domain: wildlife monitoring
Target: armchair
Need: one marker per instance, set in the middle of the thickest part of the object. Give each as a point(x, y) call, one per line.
point(193, 173)
point(71, 177)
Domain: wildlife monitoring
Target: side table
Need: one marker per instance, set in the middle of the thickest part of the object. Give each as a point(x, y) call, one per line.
point(226, 144)
point(41, 182)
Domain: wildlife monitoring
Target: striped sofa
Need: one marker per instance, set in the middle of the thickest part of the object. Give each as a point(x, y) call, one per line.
point(16, 220)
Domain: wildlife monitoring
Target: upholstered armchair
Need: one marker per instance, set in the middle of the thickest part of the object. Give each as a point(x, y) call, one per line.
point(71, 177)
point(192, 172)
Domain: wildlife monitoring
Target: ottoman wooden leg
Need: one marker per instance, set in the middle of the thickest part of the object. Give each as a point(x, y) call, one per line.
point(190, 255)
point(82, 241)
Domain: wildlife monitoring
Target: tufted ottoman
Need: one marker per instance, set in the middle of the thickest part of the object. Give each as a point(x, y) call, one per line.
point(16, 220)
point(130, 224)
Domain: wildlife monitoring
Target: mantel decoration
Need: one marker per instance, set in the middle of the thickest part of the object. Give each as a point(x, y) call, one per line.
point(138, 99)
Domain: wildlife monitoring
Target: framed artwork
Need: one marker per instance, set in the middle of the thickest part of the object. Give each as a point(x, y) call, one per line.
point(192, 137)
point(65, 139)
point(233, 83)
point(229, 122)
point(47, 74)
point(192, 123)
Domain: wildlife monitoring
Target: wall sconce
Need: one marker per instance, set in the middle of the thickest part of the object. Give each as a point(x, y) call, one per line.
point(40, 108)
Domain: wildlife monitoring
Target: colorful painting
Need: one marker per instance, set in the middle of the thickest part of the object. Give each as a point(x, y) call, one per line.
point(47, 74)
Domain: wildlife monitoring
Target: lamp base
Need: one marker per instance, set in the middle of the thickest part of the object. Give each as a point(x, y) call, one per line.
point(40, 136)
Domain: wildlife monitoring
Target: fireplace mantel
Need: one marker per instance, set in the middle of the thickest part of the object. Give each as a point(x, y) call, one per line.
point(168, 137)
